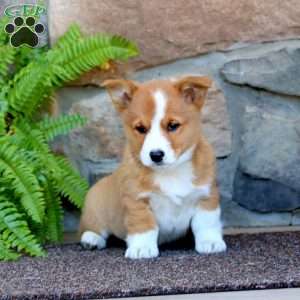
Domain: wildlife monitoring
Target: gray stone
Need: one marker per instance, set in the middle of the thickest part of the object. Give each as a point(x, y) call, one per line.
point(215, 122)
point(271, 140)
point(263, 195)
point(225, 175)
point(266, 142)
point(71, 221)
point(96, 148)
point(296, 217)
point(278, 72)
point(233, 215)
point(103, 136)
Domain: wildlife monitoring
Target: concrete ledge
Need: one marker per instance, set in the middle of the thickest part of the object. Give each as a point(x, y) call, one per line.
point(280, 294)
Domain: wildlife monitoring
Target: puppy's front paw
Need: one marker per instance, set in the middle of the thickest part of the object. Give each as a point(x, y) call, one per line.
point(146, 251)
point(90, 240)
point(210, 246)
point(142, 245)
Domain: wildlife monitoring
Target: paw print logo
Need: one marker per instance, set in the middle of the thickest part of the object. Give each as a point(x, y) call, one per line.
point(24, 31)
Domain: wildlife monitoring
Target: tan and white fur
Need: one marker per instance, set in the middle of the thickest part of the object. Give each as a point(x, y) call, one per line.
point(166, 181)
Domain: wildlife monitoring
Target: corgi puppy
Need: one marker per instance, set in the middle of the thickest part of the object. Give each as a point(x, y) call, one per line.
point(166, 181)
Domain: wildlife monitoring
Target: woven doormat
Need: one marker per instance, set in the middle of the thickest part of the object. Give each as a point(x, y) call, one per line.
point(253, 261)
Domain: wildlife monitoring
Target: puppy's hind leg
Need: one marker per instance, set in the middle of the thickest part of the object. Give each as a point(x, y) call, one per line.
point(91, 240)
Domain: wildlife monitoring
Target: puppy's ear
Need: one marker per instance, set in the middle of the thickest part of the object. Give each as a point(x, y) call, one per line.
point(194, 89)
point(121, 92)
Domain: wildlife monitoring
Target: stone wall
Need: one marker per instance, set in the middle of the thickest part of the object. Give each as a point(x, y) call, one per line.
point(252, 115)
point(173, 29)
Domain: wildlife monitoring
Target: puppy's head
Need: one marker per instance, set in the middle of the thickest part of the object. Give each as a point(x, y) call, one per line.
point(161, 118)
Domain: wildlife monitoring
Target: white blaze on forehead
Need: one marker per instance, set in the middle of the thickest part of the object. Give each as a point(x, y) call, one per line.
point(160, 100)
point(155, 139)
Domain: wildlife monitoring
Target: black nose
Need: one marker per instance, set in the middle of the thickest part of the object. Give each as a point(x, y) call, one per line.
point(157, 156)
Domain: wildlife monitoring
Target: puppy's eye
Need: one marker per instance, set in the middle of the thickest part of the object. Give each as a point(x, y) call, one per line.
point(141, 129)
point(173, 126)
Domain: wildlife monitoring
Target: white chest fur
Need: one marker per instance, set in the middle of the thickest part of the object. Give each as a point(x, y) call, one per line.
point(175, 204)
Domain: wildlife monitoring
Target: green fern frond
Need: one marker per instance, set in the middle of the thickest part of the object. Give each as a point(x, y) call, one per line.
point(15, 230)
point(29, 136)
point(29, 90)
point(6, 253)
point(54, 214)
point(73, 34)
point(120, 43)
point(4, 37)
point(88, 53)
point(2, 124)
point(3, 110)
point(37, 81)
point(7, 54)
point(52, 127)
point(70, 183)
point(24, 55)
point(23, 181)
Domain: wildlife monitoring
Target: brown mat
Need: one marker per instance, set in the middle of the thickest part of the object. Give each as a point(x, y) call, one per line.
point(255, 261)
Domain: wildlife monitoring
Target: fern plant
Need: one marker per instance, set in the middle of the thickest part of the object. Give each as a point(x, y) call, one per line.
point(33, 179)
